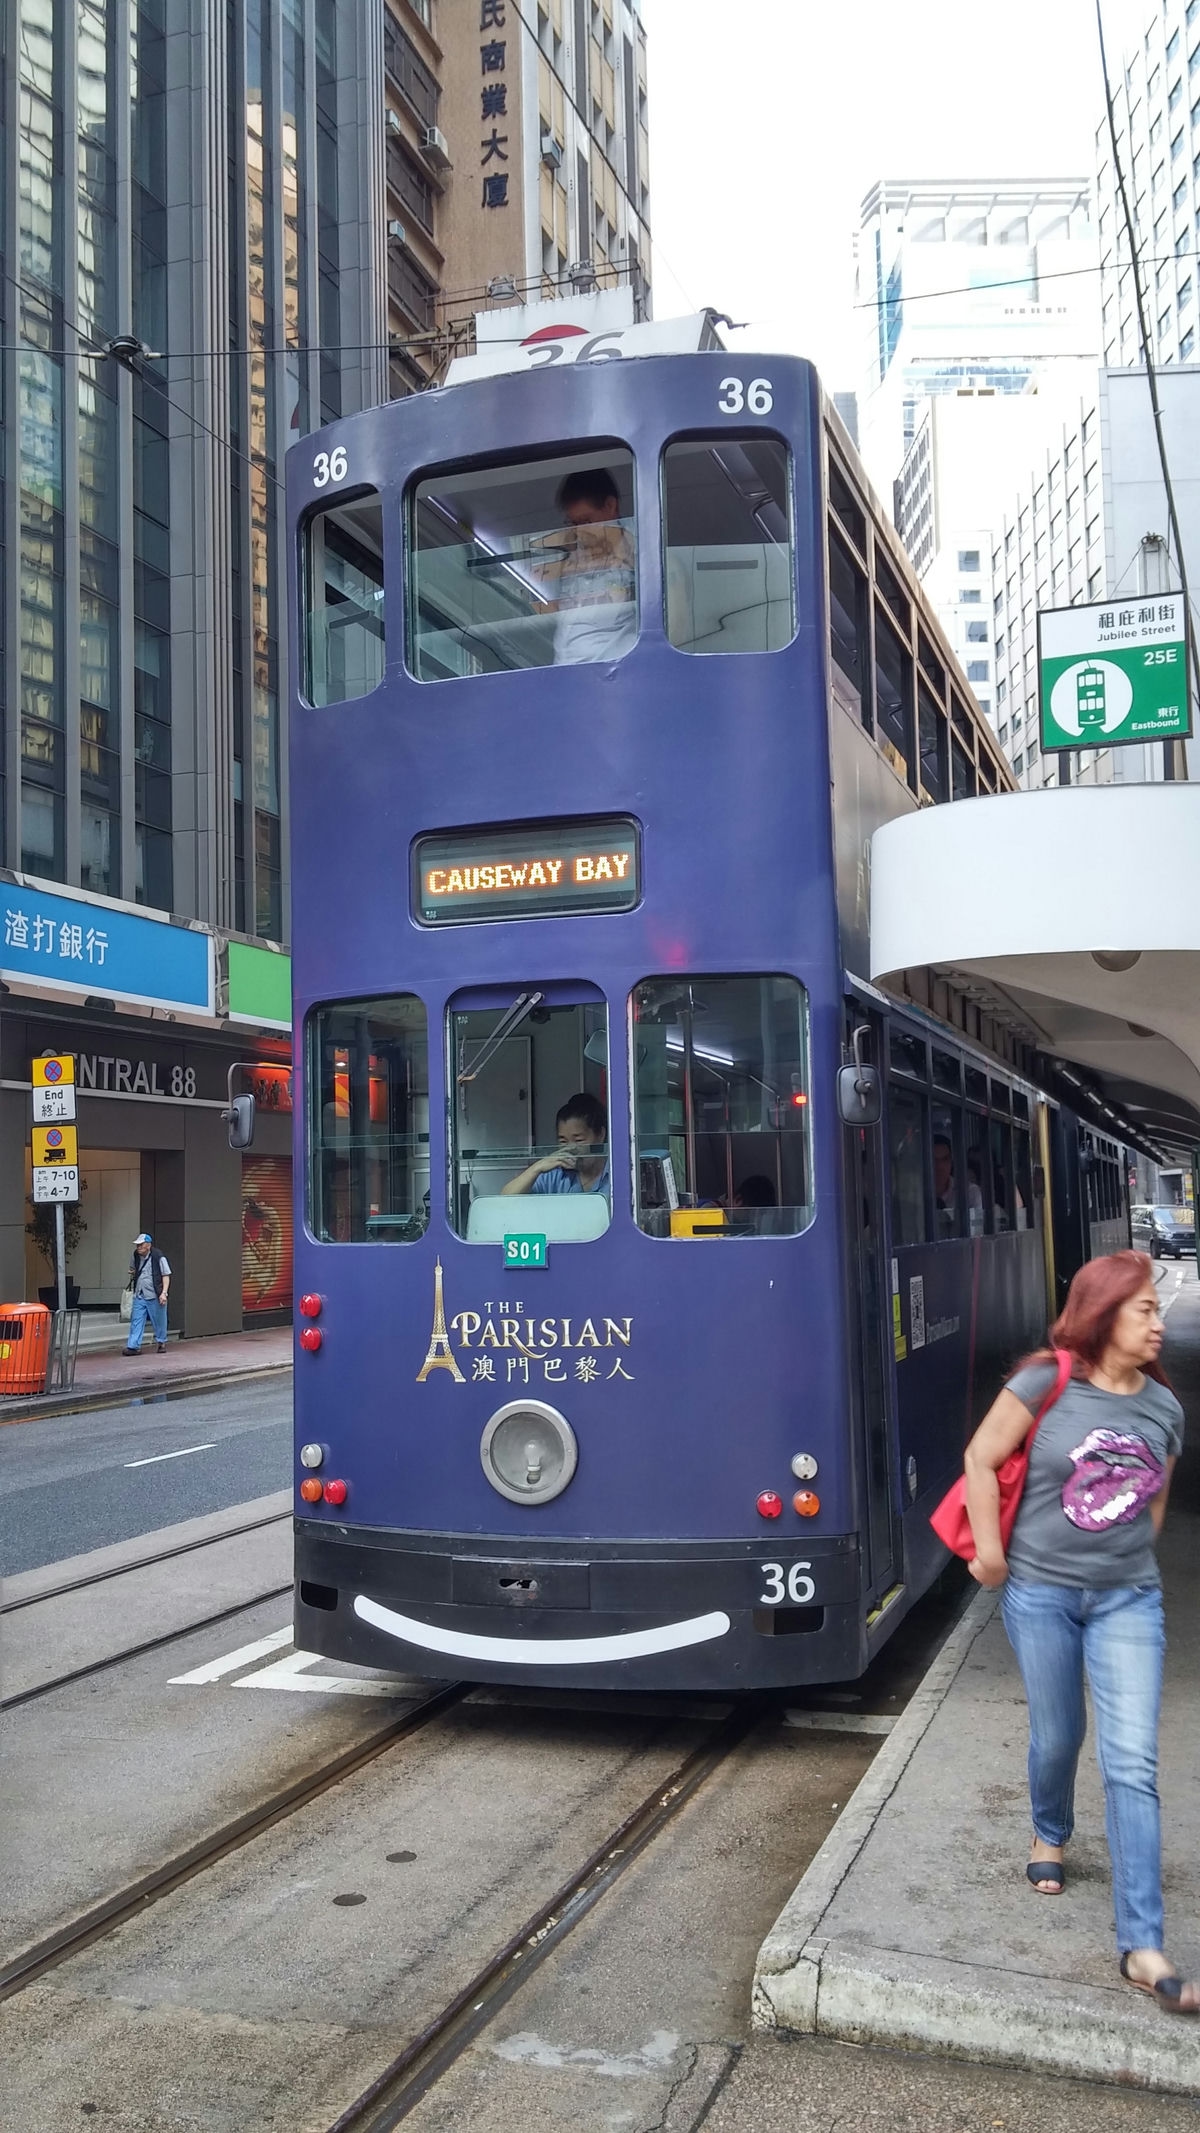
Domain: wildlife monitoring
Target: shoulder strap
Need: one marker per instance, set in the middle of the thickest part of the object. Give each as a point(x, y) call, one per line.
point(1064, 1359)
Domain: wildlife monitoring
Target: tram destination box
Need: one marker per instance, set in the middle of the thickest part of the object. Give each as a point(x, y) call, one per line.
point(540, 870)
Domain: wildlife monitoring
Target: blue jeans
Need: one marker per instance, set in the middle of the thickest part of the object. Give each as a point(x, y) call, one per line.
point(1116, 1634)
point(143, 1309)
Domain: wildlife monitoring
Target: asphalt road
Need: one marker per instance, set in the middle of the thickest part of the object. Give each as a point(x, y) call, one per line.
point(76, 1482)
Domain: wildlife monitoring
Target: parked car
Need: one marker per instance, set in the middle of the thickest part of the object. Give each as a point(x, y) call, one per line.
point(1169, 1231)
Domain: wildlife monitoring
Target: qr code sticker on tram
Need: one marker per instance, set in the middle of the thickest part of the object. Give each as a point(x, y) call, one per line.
point(916, 1310)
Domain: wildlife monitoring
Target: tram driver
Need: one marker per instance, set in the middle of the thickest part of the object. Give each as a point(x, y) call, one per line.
point(589, 572)
point(580, 1162)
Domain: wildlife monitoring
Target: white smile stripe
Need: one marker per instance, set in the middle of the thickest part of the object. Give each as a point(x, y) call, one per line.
point(543, 1651)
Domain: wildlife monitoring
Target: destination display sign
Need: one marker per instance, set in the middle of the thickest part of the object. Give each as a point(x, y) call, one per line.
point(543, 872)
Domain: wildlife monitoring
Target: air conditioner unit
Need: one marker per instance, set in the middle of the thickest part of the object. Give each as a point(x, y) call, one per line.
point(551, 152)
point(397, 232)
point(436, 147)
point(392, 122)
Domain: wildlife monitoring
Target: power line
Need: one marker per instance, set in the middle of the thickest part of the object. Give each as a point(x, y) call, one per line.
point(1135, 268)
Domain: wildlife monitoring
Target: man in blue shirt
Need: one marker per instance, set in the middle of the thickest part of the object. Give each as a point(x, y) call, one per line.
point(580, 1162)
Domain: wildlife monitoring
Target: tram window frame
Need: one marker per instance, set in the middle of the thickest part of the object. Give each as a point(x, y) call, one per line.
point(1023, 1176)
point(961, 720)
point(1000, 1151)
point(888, 585)
point(906, 1099)
point(976, 1147)
point(894, 709)
point(681, 589)
point(845, 506)
point(348, 1172)
point(987, 774)
point(931, 666)
point(510, 613)
point(1000, 1096)
point(688, 1179)
point(859, 620)
point(964, 778)
point(975, 1084)
point(349, 527)
point(946, 1070)
point(946, 1123)
point(933, 746)
point(1020, 1105)
point(908, 1054)
point(552, 1038)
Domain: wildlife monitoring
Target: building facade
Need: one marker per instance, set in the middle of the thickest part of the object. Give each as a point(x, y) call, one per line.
point(516, 164)
point(979, 287)
point(1156, 99)
point(191, 276)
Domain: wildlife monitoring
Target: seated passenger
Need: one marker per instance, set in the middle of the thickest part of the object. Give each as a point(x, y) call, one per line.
point(945, 1192)
point(580, 1163)
point(757, 1191)
point(589, 572)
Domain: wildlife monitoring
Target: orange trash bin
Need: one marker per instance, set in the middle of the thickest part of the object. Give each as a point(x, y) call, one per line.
point(24, 1348)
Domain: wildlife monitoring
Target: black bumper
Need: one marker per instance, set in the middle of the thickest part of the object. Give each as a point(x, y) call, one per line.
point(654, 1615)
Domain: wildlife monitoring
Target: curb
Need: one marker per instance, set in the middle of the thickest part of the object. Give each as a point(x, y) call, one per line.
point(45, 1408)
point(811, 1984)
point(787, 1973)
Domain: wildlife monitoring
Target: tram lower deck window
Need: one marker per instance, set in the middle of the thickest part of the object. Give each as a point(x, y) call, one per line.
point(368, 1078)
point(528, 565)
point(722, 1131)
point(529, 1157)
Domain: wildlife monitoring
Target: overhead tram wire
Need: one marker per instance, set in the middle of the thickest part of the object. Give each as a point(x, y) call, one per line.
point(1135, 268)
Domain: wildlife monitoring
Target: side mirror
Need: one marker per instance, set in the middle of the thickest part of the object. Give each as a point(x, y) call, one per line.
point(240, 1120)
point(860, 1095)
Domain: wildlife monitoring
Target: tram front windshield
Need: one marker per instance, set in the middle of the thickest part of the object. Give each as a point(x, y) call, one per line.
point(530, 1147)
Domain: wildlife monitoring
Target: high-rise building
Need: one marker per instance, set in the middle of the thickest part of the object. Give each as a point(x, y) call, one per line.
point(972, 287)
point(516, 163)
point(1156, 100)
point(191, 276)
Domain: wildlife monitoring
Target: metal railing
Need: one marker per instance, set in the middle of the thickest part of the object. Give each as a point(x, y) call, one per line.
point(64, 1347)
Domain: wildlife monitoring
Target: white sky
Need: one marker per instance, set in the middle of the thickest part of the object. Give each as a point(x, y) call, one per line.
point(770, 119)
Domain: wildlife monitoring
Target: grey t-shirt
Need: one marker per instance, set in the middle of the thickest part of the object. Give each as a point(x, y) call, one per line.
point(1096, 1461)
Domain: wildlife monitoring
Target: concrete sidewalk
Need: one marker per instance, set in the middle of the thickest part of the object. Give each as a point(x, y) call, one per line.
point(914, 1927)
point(187, 1366)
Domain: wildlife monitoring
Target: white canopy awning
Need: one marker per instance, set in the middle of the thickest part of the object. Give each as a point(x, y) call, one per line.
point(1079, 910)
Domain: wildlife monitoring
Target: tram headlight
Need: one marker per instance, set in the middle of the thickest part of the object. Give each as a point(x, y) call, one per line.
point(804, 1467)
point(312, 1455)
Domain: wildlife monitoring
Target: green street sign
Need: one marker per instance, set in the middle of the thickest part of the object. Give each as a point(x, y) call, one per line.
point(1114, 672)
point(524, 1252)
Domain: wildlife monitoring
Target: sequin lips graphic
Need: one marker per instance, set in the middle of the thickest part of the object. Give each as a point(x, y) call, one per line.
point(1114, 1478)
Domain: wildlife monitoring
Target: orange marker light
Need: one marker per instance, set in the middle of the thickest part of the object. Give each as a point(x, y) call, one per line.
point(806, 1502)
point(310, 1490)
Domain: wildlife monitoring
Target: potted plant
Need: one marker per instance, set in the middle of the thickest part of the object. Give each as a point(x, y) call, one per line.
point(41, 1228)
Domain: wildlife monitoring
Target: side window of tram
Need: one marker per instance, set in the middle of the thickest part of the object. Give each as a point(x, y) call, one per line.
point(343, 601)
point(906, 1143)
point(529, 1148)
point(532, 565)
point(728, 566)
point(722, 1134)
point(368, 1079)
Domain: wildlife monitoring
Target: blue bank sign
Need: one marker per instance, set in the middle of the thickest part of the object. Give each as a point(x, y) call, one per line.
point(85, 946)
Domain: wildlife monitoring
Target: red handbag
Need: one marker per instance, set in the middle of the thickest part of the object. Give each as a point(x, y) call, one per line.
point(950, 1521)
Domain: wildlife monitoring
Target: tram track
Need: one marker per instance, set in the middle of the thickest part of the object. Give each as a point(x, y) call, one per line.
point(130, 1902)
point(135, 1651)
point(408, 2077)
point(142, 1562)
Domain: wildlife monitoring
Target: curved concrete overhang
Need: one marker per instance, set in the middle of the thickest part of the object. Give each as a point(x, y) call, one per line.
point(1037, 896)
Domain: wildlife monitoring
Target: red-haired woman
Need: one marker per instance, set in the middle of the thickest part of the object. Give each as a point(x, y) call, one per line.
point(1082, 1591)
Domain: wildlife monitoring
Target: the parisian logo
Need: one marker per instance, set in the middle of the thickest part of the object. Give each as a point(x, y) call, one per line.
point(503, 1346)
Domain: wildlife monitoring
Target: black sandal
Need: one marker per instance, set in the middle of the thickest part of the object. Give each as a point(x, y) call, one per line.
point(1051, 1870)
point(1168, 1991)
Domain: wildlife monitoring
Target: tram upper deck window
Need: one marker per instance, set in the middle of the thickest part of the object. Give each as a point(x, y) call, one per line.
point(368, 1078)
point(893, 695)
point(728, 531)
point(722, 1138)
point(343, 601)
point(529, 1153)
point(522, 565)
point(848, 634)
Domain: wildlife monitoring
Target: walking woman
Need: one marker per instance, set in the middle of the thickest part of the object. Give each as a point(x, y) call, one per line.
point(1082, 1592)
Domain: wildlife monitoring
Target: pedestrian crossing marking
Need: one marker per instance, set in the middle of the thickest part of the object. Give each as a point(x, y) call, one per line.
point(291, 1672)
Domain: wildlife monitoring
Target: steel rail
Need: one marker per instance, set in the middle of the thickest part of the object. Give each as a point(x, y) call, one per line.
point(130, 1902)
point(413, 2072)
point(142, 1562)
point(134, 1651)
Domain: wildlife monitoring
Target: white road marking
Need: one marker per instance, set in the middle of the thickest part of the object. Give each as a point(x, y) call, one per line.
point(216, 1668)
point(158, 1458)
point(838, 1721)
point(1174, 1297)
point(292, 1673)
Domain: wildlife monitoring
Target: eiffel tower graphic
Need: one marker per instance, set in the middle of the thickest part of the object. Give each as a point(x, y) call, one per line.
point(439, 1356)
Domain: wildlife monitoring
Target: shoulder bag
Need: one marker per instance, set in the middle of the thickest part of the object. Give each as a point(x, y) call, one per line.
point(950, 1521)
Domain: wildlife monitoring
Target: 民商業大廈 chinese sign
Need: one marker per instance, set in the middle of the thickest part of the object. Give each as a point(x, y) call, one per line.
point(85, 946)
point(1114, 672)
